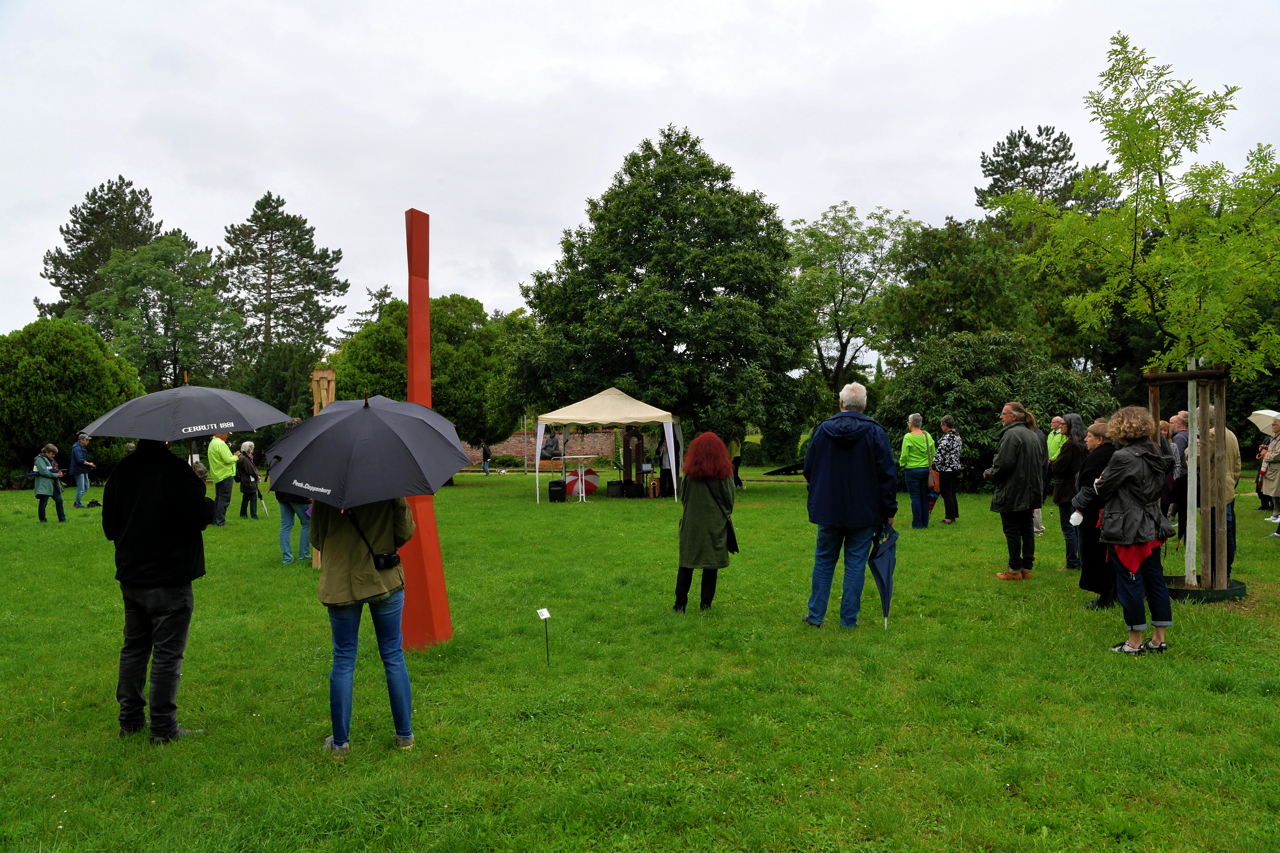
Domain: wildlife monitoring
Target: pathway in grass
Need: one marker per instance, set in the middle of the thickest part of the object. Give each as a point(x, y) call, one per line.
point(988, 717)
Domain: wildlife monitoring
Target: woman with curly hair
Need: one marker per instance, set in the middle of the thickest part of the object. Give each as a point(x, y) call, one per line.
point(1134, 528)
point(707, 491)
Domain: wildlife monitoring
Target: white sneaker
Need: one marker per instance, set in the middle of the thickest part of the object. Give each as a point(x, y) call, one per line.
point(1275, 519)
point(1274, 536)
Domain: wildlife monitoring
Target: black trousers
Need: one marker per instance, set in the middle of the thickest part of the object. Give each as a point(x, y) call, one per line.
point(249, 503)
point(156, 623)
point(684, 580)
point(947, 487)
point(1020, 538)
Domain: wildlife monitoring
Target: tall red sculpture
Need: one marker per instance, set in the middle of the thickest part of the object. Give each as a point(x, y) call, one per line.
point(426, 603)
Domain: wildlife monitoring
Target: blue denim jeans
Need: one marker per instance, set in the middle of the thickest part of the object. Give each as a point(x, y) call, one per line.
point(287, 513)
point(918, 488)
point(1070, 535)
point(82, 486)
point(156, 623)
point(1147, 584)
point(856, 542)
point(345, 624)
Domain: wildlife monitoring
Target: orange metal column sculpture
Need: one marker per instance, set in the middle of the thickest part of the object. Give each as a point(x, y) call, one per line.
point(426, 603)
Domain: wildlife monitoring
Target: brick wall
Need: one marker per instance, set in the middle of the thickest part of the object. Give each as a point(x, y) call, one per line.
point(598, 443)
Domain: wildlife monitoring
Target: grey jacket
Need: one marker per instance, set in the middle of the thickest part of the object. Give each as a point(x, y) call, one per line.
point(1131, 487)
point(1017, 472)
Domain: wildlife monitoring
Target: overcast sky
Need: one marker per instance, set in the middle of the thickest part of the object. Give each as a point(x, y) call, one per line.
point(500, 119)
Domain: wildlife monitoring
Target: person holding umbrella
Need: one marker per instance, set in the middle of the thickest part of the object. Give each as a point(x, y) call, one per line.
point(222, 469)
point(359, 461)
point(853, 487)
point(360, 567)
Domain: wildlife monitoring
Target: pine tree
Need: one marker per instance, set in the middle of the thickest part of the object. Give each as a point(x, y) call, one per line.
point(114, 215)
point(284, 284)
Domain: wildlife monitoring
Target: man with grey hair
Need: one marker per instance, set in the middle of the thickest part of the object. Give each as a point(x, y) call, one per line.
point(853, 487)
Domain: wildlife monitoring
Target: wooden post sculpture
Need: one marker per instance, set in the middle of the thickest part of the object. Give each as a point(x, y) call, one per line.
point(426, 603)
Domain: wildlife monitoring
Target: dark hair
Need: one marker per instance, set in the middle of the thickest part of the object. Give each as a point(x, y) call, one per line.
point(1076, 430)
point(707, 458)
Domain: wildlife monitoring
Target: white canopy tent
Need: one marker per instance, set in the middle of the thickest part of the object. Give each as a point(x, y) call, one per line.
point(611, 407)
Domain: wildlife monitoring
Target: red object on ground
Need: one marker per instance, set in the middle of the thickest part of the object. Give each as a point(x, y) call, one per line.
point(426, 619)
point(589, 481)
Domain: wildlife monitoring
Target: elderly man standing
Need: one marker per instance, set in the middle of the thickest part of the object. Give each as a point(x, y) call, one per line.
point(853, 487)
point(80, 468)
point(153, 509)
point(222, 470)
point(1018, 475)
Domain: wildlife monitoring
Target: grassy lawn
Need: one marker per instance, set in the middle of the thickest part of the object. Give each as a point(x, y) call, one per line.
point(990, 716)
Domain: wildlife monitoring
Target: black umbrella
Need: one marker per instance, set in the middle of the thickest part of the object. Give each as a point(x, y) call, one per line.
point(360, 451)
point(184, 413)
point(884, 557)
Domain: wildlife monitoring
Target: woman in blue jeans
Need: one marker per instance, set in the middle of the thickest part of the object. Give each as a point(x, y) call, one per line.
point(914, 460)
point(294, 506)
point(350, 578)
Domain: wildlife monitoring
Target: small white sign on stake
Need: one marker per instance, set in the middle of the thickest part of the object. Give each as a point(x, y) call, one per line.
point(544, 614)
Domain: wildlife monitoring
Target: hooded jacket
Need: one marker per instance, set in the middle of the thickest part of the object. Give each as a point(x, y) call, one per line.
point(1131, 486)
point(853, 481)
point(1017, 472)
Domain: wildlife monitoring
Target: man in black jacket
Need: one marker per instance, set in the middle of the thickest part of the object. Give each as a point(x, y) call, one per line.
point(1017, 472)
point(153, 509)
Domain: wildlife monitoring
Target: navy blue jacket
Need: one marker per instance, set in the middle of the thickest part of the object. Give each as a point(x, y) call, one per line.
point(853, 481)
point(79, 456)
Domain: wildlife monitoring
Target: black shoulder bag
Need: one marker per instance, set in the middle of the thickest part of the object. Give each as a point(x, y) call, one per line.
point(732, 540)
point(381, 562)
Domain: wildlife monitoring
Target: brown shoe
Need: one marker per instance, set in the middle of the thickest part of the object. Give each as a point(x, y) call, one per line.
point(1026, 574)
point(1011, 575)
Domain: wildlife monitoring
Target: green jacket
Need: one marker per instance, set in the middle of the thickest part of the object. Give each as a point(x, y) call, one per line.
point(1054, 441)
point(47, 482)
point(1017, 472)
point(347, 574)
point(704, 530)
point(917, 451)
point(222, 464)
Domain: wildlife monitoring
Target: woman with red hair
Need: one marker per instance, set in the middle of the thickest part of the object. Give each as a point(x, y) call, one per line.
point(706, 490)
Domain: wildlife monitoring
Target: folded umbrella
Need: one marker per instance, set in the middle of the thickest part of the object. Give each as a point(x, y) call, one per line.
point(883, 559)
point(357, 452)
point(184, 413)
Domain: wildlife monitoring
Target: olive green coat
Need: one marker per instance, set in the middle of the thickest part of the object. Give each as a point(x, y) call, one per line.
point(347, 574)
point(704, 530)
point(47, 482)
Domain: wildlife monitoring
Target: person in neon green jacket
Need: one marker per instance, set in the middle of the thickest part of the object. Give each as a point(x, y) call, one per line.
point(914, 460)
point(222, 470)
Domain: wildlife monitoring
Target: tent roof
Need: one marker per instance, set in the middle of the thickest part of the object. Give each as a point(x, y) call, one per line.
point(608, 407)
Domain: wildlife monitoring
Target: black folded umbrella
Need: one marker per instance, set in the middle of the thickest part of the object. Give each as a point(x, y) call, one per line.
point(360, 451)
point(883, 560)
point(184, 413)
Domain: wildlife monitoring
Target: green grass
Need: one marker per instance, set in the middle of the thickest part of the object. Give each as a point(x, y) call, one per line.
point(990, 716)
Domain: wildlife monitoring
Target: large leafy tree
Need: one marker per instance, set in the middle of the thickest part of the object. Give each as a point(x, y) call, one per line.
point(57, 376)
point(162, 307)
point(676, 291)
point(468, 364)
point(843, 262)
point(1190, 248)
point(957, 278)
point(286, 286)
point(113, 216)
point(970, 376)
